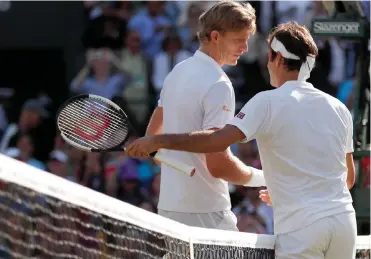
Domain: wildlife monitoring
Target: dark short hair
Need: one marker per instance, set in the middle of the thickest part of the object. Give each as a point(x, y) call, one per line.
point(297, 40)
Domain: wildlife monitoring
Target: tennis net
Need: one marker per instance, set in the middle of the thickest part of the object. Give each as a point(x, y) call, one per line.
point(44, 216)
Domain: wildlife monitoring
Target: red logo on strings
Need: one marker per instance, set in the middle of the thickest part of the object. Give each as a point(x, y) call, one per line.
point(240, 115)
point(98, 128)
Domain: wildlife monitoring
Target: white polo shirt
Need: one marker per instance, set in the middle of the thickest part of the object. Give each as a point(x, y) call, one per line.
point(303, 135)
point(196, 95)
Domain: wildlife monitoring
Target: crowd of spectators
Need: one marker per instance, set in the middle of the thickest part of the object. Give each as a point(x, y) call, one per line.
point(130, 47)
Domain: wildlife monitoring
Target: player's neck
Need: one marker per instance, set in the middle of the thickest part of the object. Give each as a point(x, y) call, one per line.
point(287, 76)
point(211, 52)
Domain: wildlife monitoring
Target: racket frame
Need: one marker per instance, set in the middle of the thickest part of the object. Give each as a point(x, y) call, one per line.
point(131, 132)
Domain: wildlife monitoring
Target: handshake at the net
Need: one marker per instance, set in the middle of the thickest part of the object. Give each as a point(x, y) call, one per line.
point(143, 147)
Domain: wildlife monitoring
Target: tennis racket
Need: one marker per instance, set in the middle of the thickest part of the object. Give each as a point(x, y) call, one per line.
point(95, 124)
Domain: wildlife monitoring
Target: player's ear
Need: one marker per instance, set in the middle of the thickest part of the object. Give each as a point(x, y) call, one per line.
point(214, 36)
point(279, 59)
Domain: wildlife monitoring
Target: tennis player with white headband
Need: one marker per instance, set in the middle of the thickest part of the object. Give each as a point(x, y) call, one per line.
point(305, 140)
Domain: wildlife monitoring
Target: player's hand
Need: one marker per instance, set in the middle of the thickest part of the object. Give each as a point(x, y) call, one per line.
point(142, 147)
point(264, 196)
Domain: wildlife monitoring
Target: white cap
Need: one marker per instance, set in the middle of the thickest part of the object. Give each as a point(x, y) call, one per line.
point(59, 156)
point(305, 68)
point(12, 152)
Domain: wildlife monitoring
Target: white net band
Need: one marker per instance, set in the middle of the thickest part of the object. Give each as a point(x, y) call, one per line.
point(44, 216)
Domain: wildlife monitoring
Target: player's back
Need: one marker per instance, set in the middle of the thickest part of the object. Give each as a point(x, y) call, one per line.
point(183, 100)
point(304, 149)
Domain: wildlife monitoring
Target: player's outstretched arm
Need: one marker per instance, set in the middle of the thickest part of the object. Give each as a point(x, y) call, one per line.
point(207, 141)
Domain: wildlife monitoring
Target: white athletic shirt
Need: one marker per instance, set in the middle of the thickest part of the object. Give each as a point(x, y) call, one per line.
point(303, 135)
point(196, 95)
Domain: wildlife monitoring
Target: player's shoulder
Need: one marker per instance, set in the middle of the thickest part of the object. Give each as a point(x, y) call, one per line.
point(333, 101)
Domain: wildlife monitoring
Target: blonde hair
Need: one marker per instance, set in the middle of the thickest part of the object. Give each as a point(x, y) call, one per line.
point(226, 16)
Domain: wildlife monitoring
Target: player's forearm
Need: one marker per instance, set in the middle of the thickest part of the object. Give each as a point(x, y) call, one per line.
point(233, 170)
point(196, 142)
point(229, 168)
point(155, 123)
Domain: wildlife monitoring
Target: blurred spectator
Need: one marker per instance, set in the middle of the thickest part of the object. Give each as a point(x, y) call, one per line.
point(129, 189)
point(32, 114)
point(344, 93)
point(26, 148)
point(188, 26)
point(152, 25)
point(136, 92)
point(172, 54)
point(248, 222)
point(248, 153)
point(91, 173)
point(106, 25)
point(256, 213)
point(97, 76)
point(365, 165)
point(58, 165)
point(148, 206)
point(155, 189)
point(75, 161)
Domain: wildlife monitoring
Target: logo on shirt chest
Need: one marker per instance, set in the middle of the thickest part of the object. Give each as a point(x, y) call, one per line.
point(240, 115)
point(225, 108)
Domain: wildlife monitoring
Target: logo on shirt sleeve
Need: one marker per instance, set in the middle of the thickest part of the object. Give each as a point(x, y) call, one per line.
point(240, 115)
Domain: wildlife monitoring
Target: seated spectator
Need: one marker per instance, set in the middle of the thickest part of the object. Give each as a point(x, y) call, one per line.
point(129, 189)
point(58, 165)
point(172, 54)
point(248, 222)
point(106, 23)
point(248, 153)
point(188, 25)
point(136, 91)
point(147, 168)
point(148, 206)
point(345, 92)
point(75, 161)
point(152, 25)
point(155, 189)
point(26, 147)
point(260, 211)
point(32, 114)
point(23, 152)
point(97, 77)
point(91, 173)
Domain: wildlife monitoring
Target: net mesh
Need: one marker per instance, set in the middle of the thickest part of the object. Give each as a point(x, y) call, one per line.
point(44, 216)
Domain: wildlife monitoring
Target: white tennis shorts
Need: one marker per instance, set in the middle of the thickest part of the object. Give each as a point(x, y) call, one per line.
point(332, 237)
point(224, 220)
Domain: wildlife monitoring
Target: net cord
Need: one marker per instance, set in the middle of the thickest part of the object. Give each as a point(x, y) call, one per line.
point(25, 175)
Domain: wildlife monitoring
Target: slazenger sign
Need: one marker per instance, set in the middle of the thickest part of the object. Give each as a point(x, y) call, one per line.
point(337, 28)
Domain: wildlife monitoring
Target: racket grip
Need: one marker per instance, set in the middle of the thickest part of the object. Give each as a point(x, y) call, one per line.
point(176, 164)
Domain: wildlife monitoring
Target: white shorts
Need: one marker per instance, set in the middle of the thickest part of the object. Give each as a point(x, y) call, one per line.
point(332, 237)
point(224, 220)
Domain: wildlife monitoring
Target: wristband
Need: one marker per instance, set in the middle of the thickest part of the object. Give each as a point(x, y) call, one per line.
point(257, 178)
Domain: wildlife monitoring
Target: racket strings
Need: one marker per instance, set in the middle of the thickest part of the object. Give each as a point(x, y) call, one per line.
point(93, 124)
point(90, 128)
point(93, 128)
point(96, 115)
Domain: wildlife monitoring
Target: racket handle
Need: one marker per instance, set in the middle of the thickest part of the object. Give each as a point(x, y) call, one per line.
point(176, 164)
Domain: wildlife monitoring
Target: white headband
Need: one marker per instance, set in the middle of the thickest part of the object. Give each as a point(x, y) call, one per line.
point(305, 68)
